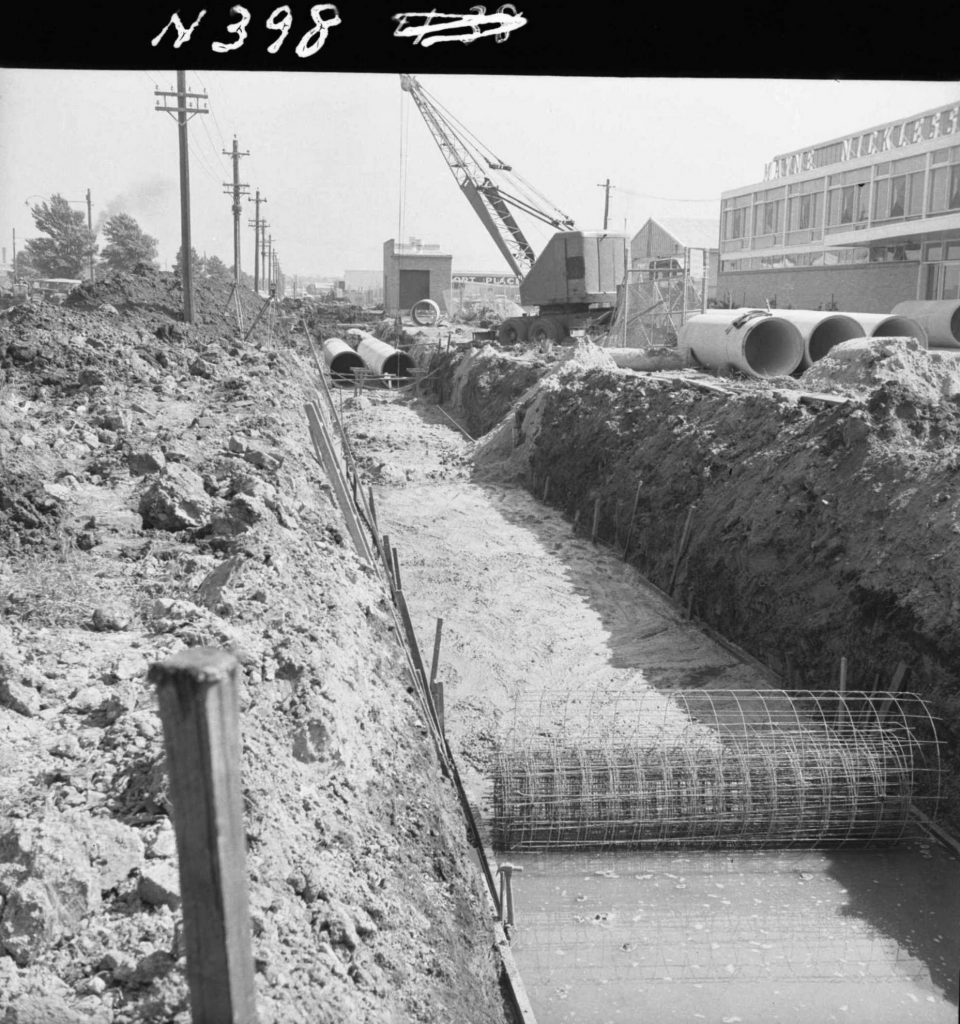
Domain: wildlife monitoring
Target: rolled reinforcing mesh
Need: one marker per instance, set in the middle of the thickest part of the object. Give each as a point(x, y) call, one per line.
point(747, 769)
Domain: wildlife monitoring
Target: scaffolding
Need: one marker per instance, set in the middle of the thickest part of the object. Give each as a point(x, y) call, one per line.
point(712, 768)
point(658, 297)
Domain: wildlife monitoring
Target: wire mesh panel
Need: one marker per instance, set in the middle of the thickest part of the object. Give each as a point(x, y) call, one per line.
point(713, 768)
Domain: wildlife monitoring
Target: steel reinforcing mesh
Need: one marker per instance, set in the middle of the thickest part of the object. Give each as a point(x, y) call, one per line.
point(713, 768)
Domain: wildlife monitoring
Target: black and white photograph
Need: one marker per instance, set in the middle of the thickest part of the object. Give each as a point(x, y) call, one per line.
point(479, 520)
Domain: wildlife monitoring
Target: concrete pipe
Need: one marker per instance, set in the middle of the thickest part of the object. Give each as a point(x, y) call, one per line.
point(821, 331)
point(385, 360)
point(425, 313)
point(941, 320)
point(340, 359)
point(751, 340)
point(890, 325)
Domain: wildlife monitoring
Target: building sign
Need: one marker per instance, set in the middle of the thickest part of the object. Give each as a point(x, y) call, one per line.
point(880, 140)
point(507, 280)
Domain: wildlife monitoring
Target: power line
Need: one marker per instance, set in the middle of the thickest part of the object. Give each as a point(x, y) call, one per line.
point(666, 199)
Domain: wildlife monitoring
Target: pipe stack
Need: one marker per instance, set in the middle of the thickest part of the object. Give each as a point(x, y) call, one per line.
point(755, 341)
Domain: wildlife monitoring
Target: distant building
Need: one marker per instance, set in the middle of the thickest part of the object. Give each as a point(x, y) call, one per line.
point(672, 244)
point(413, 271)
point(363, 287)
point(857, 223)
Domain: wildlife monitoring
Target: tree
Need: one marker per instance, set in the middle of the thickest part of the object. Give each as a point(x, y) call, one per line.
point(69, 243)
point(196, 263)
point(128, 244)
point(217, 270)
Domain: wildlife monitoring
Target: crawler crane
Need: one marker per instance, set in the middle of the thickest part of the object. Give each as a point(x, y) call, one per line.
point(573, 283)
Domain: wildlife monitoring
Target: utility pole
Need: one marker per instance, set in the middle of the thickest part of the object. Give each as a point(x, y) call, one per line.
point(270, 278)
point(184, 112)
point(606, 202)
point(256, 239)
point(90, 229)
point(238, 190)
point(15, 278)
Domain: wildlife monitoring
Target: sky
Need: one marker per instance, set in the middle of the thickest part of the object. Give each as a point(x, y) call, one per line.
point(346, 162)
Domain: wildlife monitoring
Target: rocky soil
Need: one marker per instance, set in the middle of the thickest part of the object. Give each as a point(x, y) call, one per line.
point(816, 531)
point(157, 491)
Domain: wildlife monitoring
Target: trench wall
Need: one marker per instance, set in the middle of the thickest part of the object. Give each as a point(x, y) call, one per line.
point(816, 532)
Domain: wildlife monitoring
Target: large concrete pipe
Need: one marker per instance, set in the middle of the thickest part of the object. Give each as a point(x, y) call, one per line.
point(890, 325)
point(940, 319)
point(385, 360)
point(821, 331)
point(341, 359)
point(751, 340)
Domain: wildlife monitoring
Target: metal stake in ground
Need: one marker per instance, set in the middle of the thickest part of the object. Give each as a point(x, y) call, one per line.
point(197, 693)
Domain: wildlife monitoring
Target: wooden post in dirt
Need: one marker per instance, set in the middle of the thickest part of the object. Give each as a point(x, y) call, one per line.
point(684, 537)
point(633, 516)
point(396, 569)
point(899, 675)
point(388, 561)
point(546, 489)
point(436, 688)
point(596, 521)
point(199, 706)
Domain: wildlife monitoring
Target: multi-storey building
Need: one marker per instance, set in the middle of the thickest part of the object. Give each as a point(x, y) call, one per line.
point(857, 223)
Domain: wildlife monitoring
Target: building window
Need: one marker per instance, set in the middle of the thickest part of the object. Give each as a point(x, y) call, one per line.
point(736, 217)
point(849, 203)
point(909, 252)
point(945, 184)
point(898, 189)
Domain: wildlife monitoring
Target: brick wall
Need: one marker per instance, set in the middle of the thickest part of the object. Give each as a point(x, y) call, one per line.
point(860, 288)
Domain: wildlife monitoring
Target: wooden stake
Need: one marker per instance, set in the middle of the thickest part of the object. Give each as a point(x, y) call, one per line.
point(396, 569)
point(436, 651)
point(899, 675)
point(633, 516)
point(684, 537)
point(843, 674)
point(327, 457)
point(373, 510)
point(596, 521)
point(388, 562)
point(546, 488)
point(199, 707)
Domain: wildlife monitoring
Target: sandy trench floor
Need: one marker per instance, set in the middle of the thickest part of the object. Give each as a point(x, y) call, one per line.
point(531, 613)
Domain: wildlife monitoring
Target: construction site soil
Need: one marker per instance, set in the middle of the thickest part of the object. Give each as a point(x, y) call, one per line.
point(157, 491)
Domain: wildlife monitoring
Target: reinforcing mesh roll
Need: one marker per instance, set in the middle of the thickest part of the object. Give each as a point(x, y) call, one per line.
point(713, 768)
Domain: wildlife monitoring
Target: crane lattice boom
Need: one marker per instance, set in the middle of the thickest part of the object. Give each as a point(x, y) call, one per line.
point(471, 165)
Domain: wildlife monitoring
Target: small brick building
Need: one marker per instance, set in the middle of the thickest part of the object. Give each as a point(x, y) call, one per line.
point(413, 271)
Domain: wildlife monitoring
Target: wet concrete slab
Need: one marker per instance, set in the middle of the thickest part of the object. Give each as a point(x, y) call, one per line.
point(765, 937)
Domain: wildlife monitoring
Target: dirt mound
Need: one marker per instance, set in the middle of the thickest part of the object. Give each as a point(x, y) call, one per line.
point(157, 490)
point(866, 363)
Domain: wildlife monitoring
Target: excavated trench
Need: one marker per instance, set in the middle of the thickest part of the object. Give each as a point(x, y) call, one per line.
point(535, 614)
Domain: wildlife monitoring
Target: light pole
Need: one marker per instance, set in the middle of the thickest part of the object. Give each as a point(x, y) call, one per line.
point(88, 202)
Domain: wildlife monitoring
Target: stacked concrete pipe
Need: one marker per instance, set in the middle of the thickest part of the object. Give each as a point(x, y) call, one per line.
point(890, 325)
point(940, 319)
point(754, 341)
point(385, 360)
point(340, 359)
point(821, 331)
